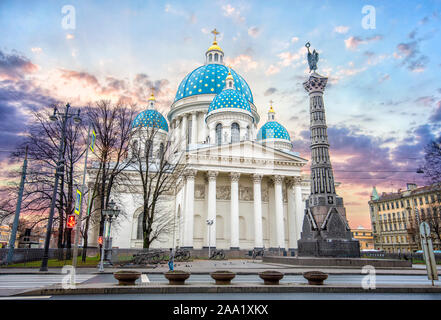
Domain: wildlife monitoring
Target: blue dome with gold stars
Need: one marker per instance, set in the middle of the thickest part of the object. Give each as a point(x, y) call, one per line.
point(150, 118)
point(273, 130)
point(210, 79)
point(229, 98)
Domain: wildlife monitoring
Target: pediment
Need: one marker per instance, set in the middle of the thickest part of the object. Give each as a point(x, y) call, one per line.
point(246, 150)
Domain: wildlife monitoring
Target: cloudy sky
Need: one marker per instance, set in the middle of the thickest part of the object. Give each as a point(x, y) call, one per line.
point(383, 99)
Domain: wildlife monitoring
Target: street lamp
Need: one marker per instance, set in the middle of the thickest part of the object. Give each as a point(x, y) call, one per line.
point(59, 172)
point(109, 214)
point(209, 223)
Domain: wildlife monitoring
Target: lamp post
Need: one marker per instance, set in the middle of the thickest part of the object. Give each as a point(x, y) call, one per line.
point(110, 213)
point(78, 225)
point(59, 172)
point(209, 223)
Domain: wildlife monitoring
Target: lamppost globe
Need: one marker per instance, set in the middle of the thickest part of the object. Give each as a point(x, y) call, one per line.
point(53, 117)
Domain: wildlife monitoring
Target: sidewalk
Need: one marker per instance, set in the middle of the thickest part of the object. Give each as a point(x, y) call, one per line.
point(238, 266)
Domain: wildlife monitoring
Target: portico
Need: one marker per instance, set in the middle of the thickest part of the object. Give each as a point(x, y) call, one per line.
point(249, 209)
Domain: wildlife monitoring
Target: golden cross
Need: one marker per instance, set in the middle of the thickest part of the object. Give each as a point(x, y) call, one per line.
point(215, 32)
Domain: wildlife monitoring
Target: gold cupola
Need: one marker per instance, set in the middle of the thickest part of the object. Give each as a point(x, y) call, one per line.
point(214, 54)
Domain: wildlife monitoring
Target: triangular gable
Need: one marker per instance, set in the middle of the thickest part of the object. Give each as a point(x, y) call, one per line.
point(247, 149)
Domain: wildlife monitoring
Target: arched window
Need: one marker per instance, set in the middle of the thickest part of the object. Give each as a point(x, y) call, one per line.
point(189, 127)
point(220, 58)
point(135, 146)
point(139, 233)
point(219, 134)
point(248, 133)
point(210, 57)
point(161, 150)
point(235, 133)
point(230, 84)
point(149, 148)
point(216, 57)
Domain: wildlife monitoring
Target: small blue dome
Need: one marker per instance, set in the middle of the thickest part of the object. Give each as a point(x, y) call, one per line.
point(210, 79)
point(273, 130)
point(150, 118)
point(229, 98)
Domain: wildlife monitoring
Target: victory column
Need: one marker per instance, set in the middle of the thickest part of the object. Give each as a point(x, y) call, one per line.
point(325, 229)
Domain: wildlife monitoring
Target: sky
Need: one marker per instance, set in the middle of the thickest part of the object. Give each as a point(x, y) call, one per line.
point(382, 58)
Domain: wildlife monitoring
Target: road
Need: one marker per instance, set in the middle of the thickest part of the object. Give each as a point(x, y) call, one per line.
point(244, 296)
point(14, 284)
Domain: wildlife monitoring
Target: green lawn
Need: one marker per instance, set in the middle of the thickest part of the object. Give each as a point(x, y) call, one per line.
point(90, 262)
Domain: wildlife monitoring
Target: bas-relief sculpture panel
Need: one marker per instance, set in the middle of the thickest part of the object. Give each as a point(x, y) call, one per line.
point(246, 194)
point(223, 192)
point(265, 195)
point(199, 192)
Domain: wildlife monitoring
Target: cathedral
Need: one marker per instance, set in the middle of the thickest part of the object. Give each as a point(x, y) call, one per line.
point(242, 188)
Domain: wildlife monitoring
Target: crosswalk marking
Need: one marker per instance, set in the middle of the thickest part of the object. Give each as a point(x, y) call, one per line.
point(24, 297)
point(144, 278)
point(36, 281)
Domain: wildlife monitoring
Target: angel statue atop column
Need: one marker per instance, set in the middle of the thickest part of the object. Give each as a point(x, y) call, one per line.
point(312, 58)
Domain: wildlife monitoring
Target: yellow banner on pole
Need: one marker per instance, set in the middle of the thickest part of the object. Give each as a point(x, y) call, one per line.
point(78, 203)
point(92, 140)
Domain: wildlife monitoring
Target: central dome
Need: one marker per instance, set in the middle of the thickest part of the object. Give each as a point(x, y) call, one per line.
point(210, 79)
point(229, 98)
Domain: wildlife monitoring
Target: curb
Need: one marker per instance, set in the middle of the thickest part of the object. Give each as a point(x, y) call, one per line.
point(247, 288)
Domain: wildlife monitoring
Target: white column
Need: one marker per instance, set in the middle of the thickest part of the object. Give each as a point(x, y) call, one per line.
point(234, 220)
point(278, 201)
point(300, 207)
point(204, 128)
point(173, 132)
point(292, 217)
point(194, 128)
point(184, 131)
point(189, 209)
point(258, 233)
point(211, 215)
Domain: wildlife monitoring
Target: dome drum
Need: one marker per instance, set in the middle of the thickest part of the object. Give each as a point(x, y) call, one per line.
point(277, 144)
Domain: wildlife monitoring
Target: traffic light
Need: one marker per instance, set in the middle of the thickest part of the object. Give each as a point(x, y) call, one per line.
point(100, 240)
point(71, 222)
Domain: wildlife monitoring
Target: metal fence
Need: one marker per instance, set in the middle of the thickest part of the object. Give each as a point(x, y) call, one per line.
point(26, 255)
point(400, 256)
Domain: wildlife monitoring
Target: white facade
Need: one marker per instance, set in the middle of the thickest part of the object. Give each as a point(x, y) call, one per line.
point(253, 190)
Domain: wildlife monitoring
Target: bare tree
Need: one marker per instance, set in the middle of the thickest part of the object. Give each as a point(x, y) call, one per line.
point(432, 161)
point(112, 124)
point(432, 216)
point(43, 140)
point(158, 170)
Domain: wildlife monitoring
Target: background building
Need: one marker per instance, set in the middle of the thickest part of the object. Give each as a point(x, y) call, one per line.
point(395, 217)
point(5, 233)
point(364, 236)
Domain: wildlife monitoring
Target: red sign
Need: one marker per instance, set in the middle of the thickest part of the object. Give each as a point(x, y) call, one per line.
point(100, 240)
point(71, 221)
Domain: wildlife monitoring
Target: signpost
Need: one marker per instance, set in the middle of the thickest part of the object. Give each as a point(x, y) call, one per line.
point(91, 142)
point(429, 257)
